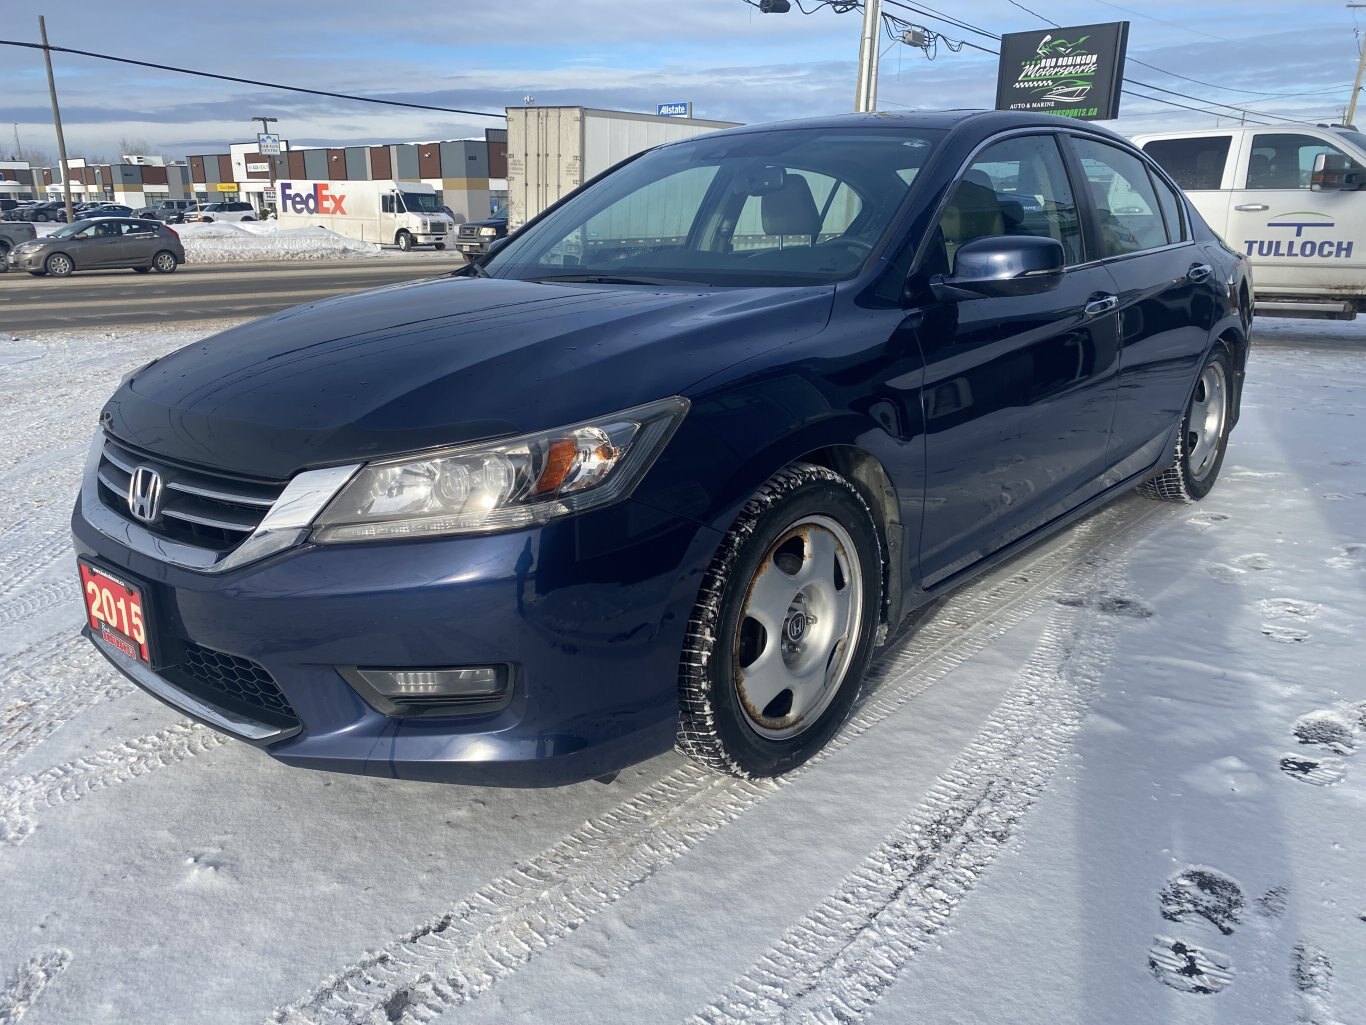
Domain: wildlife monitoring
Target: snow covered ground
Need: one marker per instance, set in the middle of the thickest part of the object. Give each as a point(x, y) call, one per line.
point(1118, 780)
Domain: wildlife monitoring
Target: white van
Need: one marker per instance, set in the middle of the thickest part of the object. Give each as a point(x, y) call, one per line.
point(1289, 197)
point(404, 214)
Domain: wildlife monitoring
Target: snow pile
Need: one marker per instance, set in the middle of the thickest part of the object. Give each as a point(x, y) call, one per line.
point(223, 242)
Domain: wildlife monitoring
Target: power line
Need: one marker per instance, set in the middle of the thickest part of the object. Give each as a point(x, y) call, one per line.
point(248, 81)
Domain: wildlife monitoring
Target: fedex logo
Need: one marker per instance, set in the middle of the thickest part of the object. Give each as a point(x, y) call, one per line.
point(319, 200)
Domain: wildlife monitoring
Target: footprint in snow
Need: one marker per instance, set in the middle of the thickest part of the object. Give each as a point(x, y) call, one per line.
point(1287, 608)
point(1284, 634)
point(1188, 968)
point(1273, 903)
point(1321, 772)
point(1328, 729)
point(1111, 604)
point(1206, 519)
point(1224, 573)
point(1350, 556)
point(1334, 496)
point(1311, 969)
point(1254, 560)
point(1202, 893)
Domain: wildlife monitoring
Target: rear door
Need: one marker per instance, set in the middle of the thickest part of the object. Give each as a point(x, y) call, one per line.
point(140, 243)
point(1299, 241)
point(1019, 391)
point(1168, 294)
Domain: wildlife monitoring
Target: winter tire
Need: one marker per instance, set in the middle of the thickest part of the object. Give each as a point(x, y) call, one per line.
point(1202, 439)
point(783, 627)
point(438, 245)
point(404, 241)
point(59, 265)
point(164, 262)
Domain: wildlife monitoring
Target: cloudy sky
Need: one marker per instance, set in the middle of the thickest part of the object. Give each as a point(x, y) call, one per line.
point(731, 62)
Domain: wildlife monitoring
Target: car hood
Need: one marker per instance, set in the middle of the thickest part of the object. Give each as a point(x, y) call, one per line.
point(442, 362)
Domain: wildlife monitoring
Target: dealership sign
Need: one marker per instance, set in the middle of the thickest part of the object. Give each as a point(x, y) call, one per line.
point(1074, 72)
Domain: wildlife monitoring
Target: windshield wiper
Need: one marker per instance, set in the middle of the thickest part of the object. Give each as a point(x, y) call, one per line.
point(609, 279)
point(475, 265)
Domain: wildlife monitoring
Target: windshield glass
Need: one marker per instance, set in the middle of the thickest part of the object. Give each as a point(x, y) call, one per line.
point(500, 213)
point(1357, 139)
point(783, 207)
point(421, 202)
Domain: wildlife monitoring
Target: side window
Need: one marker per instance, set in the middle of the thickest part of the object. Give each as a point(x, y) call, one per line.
point(387, 204)
point(1126, 207)
point(1285, 161)
point(1172, 210)
point(1196, 164)
point(1017, 186)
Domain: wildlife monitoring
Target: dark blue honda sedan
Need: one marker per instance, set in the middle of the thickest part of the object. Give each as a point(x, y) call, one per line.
point(669, 465)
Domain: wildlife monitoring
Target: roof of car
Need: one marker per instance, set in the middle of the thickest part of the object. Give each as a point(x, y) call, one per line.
point(985, 121)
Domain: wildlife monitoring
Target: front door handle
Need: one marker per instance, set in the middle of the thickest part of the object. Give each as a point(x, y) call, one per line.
point(1102, 305)
point(1199, 271)
point(1252, 206)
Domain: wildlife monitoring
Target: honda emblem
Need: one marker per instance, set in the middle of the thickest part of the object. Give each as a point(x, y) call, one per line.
point(144, 494)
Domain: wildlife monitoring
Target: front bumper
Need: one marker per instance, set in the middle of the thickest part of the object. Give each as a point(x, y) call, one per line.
point(590, 613)
point(26, 261)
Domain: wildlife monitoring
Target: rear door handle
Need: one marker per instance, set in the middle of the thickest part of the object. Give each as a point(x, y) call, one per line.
point(1199, 271)
point(1252, 206)
point(1105, 304)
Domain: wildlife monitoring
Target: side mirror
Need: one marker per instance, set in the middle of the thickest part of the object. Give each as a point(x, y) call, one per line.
point(1001, 265)
point(1334, 172)
point(496, 245)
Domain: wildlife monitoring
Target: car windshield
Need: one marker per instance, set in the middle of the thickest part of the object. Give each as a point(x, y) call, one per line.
point(421, 202)
point(781, 207)
point(500, 212)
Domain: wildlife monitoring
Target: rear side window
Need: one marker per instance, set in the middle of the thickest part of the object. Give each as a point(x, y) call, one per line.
point(1282, 160)
point(1127, 211)
point(1195, 164)
point(1172, 209)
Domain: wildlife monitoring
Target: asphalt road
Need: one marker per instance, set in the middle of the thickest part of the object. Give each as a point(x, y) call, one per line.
point(195, 292)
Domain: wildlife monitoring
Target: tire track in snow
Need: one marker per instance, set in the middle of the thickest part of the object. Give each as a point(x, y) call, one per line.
point(835, 964)
point(39, 599)
point(25, 796)
point(33, 706)
point(461, 954)
point(28, 983)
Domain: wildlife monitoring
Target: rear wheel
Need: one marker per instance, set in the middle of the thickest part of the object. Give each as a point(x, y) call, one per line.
point(783, 627)
point(438, 245)
point(164, 262)
point(59, 265)
point(404, 241)
point(1203, 437)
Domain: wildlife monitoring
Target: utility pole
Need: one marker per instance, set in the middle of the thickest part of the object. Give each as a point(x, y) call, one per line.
point(1356, 88)
point(57, 121)
point(865, 93)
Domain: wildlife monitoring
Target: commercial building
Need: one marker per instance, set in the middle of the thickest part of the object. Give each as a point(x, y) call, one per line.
point(137, 181)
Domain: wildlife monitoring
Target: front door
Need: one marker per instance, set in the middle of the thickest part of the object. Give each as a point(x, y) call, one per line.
point(1019, 391)
point(1299, 241)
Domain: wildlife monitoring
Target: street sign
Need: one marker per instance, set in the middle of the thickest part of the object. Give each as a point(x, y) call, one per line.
point(675, 110)
point(268, 195)
point(1074, 72)
point(268, 144)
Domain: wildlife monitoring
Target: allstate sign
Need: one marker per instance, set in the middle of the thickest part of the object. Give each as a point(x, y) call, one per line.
point(675, 110)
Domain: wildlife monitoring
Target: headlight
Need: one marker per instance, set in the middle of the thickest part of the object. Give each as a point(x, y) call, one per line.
point(488, 232)
point(504, 485)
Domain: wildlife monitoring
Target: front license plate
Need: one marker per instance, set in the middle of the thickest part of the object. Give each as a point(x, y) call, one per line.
point(116, 611)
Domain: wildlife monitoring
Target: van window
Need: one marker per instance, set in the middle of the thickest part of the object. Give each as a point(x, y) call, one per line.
point(1281, 160)
point(1195, 164)
point(1126, 206)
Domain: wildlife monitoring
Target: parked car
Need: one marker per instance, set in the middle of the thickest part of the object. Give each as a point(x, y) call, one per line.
point(98, 244)
point(104, 210)
point(49, 210)
point(236, 211)
point(473, 238)
point(669, 464)
point(16, 212)
point(164, 209)
point(12, 235)
point(1291, 197)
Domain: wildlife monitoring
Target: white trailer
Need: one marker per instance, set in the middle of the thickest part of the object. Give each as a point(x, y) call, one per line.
point(404, 214)
point(553, 150)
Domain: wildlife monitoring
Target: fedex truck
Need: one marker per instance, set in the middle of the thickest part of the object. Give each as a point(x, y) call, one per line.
point(403, 214)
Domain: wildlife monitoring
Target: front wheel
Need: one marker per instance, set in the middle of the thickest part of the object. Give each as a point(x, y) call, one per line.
point(783, 627)
point(438, 245)
point(164, 262)
point(404, 241)
point(59, 265)
point(1203, 436)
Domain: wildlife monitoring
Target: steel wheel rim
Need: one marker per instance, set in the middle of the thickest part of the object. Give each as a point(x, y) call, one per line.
point(1205, 420)
point(798, 628)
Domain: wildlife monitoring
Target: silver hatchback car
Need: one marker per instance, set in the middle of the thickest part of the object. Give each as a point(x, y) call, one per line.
point(100, 243)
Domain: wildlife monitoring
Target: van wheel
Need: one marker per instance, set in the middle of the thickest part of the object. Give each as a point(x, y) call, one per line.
point(1203, 436)
point(248, 219)
point(59, 265)
point(404, 241)
point(438, 245)
point(164, 262)
point(783, 627)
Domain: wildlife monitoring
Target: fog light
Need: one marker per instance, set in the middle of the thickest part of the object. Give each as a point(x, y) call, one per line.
point(456, 690)
point(471, 682)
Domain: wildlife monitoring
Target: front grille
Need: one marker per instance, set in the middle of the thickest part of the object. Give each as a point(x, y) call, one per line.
point(199, 507)
point(469, 232)
point(438, 227)
point(232, 683)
